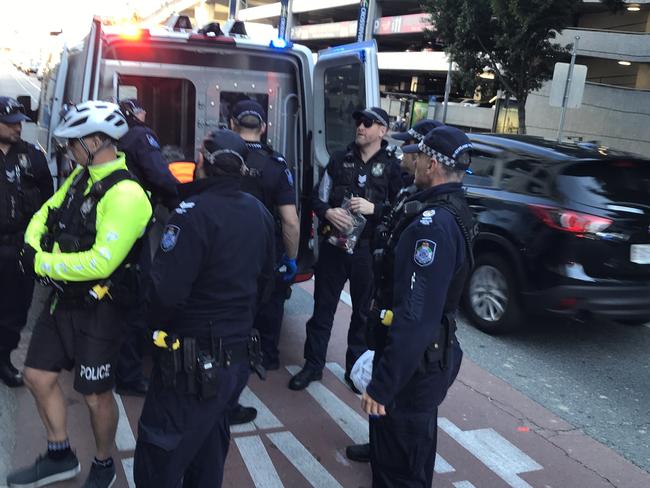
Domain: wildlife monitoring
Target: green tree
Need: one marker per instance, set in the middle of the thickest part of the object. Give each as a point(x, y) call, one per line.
point(514, 39)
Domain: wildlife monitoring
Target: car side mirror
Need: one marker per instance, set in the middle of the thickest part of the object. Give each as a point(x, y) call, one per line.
point(26, 101)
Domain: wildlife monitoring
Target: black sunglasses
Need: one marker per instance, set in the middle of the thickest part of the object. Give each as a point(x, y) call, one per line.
point(367, 123)
point(12, 109)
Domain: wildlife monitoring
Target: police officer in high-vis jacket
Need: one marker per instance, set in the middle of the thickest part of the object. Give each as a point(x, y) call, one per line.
point(216, 257)
point(25, 183)
point(366, 175)
point(270, 180)
point(83, 244)
point(424, 264)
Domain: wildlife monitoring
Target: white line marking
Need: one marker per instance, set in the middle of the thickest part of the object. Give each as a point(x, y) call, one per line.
point(339, 372)
point(258, 462)
point(265, 419)
point(442, 466)
point(303, 461)
point(353, 424)
point(493, 450)
point(463, 484)
point(346, 298)
point(124, 438)
point(127, 464)
point(24, 87)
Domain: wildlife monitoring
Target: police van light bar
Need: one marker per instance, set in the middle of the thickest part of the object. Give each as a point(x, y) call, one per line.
point(280, 43)
point(133, 33)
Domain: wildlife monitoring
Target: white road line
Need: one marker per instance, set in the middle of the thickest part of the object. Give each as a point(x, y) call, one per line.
point(127, 464)
point(24, 87)
point(353, 424)
point(265, 419)
point(339, 372)
point(442, 466)
point(301, 458)
point(463, 484)
point(346, 298)
point(124, 438)
point(258, 463)
point(493, 450)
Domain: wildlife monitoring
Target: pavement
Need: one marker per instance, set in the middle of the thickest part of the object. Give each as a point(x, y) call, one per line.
point(490, 435)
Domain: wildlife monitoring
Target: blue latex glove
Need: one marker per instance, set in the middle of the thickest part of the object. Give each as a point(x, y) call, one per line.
point(288, 268)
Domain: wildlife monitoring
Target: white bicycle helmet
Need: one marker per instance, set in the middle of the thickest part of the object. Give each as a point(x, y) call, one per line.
point(91, 117)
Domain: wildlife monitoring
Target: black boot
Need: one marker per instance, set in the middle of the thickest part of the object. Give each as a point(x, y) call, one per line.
point(358, 452)
point(242, 415)
point(8, 373)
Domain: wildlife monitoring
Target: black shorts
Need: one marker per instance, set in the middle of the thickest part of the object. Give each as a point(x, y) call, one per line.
point(87, 338)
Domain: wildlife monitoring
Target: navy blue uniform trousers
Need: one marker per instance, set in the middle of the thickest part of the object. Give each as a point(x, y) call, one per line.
point(403, 442)
point(183, 440)
point(334, 268)
point(15, 298)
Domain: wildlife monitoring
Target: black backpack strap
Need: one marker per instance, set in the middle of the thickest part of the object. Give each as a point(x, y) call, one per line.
point(100, 188)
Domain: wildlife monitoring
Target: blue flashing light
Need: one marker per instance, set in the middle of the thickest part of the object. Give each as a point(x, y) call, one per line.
point(280, 43)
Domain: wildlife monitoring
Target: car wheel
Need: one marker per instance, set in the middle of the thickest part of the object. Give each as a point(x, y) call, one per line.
point(490, 296)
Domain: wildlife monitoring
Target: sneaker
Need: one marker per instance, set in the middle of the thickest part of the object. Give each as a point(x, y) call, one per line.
point(45, 471)
point(100, 477)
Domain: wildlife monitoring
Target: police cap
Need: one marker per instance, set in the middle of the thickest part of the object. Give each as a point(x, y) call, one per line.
point(245, 108)
point(11, 111)
point(375, 114)
point(448, 145)
point(418, 131)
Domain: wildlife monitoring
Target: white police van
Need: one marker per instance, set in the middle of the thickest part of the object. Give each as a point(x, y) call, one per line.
point(188, 81)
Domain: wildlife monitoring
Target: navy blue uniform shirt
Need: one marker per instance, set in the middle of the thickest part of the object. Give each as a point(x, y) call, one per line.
point(277, 178)
point(144, 160)
point(429, 252)
point(215, 255)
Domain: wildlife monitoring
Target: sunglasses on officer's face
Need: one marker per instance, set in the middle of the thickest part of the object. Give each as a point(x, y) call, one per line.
point(14, 109)
point(367, 123)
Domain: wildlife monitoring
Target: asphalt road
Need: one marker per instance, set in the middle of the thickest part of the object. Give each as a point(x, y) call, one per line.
point(595, 374)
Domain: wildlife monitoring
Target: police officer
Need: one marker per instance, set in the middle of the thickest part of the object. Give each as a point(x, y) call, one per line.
point(205, 281)
point(82, 243)
point(368, 174)
point(25, 183)
point(413, 136)
point(145, 160)
point(270, 180)
point(425, 262)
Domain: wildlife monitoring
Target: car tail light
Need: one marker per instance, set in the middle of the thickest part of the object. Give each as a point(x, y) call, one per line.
point(570, 221)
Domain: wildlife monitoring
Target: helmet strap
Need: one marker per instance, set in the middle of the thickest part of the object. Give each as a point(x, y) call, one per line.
point(91, 155)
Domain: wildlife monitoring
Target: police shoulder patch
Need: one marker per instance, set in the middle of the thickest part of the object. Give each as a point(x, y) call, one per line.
point(289, 176)
point(169, 237)
point(425, 252)
point(152, 141)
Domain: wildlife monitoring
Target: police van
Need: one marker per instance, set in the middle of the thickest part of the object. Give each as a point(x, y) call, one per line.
point(189, 80)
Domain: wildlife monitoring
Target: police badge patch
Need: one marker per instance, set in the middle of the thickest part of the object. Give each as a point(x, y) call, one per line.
point(377, 169)
point(152, 140)
point(425, 252)
point(169, 237)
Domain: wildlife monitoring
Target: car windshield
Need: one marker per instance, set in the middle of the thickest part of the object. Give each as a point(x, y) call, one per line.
point(602, 183)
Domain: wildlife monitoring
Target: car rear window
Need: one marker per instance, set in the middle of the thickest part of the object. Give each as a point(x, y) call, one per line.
point(600, 183)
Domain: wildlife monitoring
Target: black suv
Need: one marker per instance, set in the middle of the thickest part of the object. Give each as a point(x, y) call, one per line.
point(563, 228)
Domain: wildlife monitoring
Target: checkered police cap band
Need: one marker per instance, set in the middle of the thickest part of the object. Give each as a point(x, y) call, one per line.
point(212, 156)
point(442, 158)
point(381, 120)
point(415, 134)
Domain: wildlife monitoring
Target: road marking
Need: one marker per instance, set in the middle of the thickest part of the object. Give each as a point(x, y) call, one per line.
point(264, 420)
point(303, 461)
point(353, 424)
point(258, 463)
point(346, 298)
point(463, 484)
point(127, 464)
point(442, 466)
point(124, 438)
point(493, 450)
point(24, 87)
point(337, 371)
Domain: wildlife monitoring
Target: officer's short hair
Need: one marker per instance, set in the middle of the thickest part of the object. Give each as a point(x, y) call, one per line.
point(249, 122)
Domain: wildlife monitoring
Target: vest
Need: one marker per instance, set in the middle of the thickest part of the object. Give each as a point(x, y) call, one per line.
point(20, 198)
point(259, 157)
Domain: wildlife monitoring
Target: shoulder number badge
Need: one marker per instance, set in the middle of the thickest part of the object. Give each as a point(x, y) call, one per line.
point(425, 252)
point(169, 237)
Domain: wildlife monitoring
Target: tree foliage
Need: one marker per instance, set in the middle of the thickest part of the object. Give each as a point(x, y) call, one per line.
point(514, 39)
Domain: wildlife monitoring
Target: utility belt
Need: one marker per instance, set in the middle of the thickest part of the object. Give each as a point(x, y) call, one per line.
point(380, 321)
point(187, 366)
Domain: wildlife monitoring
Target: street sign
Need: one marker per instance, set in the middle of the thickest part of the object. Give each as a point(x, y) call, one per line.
point(576, 89)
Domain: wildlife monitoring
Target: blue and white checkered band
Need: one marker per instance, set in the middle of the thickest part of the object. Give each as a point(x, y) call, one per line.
point(381, 119)
point(212, 156)
point(441, 158)
point(415, 134)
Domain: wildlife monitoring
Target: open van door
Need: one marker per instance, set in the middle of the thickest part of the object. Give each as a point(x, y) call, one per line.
point(92, 54)
point(346, 78)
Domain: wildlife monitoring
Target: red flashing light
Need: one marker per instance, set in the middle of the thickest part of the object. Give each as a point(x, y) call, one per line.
point(133, 33)
point(570, 221)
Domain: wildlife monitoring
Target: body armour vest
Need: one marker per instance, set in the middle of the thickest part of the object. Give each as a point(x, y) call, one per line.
point(20, 198)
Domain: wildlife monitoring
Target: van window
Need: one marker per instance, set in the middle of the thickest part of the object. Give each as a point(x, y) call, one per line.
point(345, 92)
point(171, 108)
